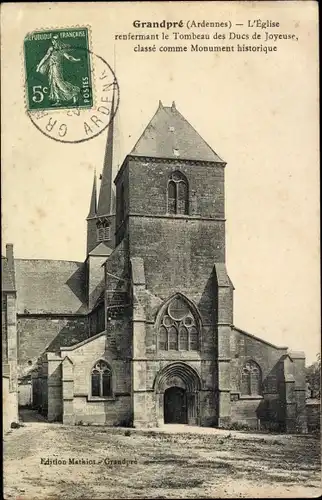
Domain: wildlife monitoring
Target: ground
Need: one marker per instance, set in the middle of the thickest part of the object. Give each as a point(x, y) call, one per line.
point(174, 462)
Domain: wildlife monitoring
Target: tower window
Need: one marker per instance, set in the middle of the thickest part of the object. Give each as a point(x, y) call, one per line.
point(101, 379)
point(103, 230)
point(178, 199)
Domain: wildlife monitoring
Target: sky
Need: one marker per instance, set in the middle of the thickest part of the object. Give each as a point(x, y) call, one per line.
point(258, 112)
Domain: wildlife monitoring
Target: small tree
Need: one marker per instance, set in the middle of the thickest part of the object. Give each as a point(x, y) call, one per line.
point(313, 377)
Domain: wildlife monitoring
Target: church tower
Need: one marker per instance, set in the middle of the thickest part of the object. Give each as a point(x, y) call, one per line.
point(171, 217)
point(101, 221)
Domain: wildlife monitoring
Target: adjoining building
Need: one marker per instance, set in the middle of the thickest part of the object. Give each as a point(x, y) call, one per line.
point(9, 340)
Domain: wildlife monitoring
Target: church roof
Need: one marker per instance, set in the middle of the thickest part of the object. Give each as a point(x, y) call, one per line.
point(7, 276)
point(101, 249)
point(170, 135)
point(50, 286)
point(258, 338)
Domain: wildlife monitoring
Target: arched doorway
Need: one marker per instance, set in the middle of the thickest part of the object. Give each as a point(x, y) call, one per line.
point(175, 406)
point(177, 388)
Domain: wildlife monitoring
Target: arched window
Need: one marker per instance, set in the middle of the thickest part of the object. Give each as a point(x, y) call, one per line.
point(101, 378)
point(178, 196)
point(179, 327)
point(172, 194)
point(103, 230)
point(173, 338)
point(183, 338)
point(194, 339)
point(163, 338)
point(251, 379)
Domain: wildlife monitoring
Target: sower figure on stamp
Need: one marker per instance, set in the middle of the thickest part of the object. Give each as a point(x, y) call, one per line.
point(52, 62)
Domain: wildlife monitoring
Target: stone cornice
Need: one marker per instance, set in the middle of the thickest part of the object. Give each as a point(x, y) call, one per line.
point(174, 161)
point(175, 217)
point(52, 315)
point(179, 161)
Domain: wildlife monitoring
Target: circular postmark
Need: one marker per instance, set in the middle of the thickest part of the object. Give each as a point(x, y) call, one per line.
point(71, 95)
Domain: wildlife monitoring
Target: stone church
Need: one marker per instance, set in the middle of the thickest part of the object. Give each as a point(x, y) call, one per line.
point(142, 333)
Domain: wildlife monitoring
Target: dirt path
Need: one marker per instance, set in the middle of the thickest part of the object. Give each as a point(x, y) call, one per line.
point(100, 462)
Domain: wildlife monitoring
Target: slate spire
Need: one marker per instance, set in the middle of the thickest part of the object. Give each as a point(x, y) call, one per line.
point(93, 204)
point(106, 200)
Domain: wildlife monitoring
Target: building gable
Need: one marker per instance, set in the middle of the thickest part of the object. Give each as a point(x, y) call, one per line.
point(170, 135)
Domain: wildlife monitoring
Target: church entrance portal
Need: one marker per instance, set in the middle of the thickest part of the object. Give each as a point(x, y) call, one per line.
point(177, 387)
point(175, 406)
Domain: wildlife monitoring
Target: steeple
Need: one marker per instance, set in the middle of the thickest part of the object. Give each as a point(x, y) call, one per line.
point(93, 204)
point(106, 201)
point(101, 217)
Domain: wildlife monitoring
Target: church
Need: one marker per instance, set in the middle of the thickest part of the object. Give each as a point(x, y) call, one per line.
point(142, 332)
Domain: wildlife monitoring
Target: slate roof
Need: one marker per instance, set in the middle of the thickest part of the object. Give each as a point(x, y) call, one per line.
point(50, 286)
point(101, 249)
point(7, 277)
point(170, 135)
point(259, 339)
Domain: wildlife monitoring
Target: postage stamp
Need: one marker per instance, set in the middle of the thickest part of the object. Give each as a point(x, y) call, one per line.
point(58, 69)
point(71, 93)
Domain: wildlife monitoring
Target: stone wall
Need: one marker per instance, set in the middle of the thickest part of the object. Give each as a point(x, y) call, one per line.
point(25, 393)
point(265, 409)
point(4, 332)
point(9, 405)
point(148, 182)
point(244, 347)
point(39, 381)
point(85, 408)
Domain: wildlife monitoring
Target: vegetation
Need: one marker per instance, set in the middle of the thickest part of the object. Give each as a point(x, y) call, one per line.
point(313, 377)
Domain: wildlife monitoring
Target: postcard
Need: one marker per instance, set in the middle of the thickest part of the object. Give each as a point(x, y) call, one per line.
point(160, 258)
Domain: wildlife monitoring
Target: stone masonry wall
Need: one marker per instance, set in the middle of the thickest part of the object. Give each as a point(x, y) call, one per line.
point(148, 181)
point(263, 410)
point(113, 411)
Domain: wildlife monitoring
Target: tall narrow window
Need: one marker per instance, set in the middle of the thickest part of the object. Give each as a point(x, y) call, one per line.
point(95, 383)
point(103, 230)
point(163, 338)
point(101, 379)
point(182, 203)
point(172, 202)
point(178, 196)
point(179, 327)
point(183, 338)
point(194, 339)
point(173, 339)
point(122, 201)
point(251, 379)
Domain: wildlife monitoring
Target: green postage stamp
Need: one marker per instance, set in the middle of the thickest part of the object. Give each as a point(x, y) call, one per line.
point(58, 69)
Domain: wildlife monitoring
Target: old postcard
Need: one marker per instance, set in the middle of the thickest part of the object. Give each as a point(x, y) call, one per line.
point(160, 259)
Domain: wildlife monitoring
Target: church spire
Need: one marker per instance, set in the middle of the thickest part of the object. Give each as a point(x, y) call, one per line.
point(93, 207)
point(106, 201)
